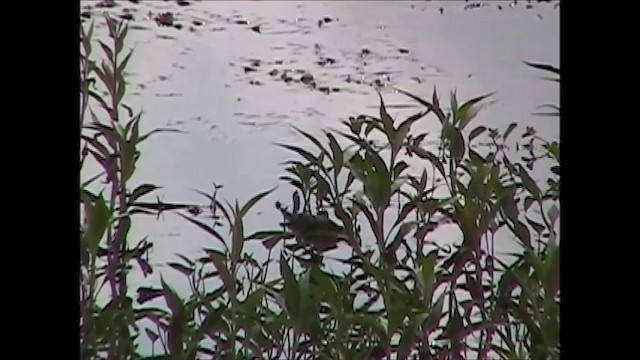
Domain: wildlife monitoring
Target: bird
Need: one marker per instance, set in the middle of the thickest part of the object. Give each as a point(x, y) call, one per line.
point(318, 231)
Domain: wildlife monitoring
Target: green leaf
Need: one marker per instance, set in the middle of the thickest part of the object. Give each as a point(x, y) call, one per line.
point(552, 270)
point(108, 52)
point(373, 322)
point(400, 235)
point(457, 144)
point(399, 168)
point(431, 107)
point(124, 62)
point(178, 319)
point(220, 262)
point(469, 110)
point(157, 131)
point(237, 238)
point(425, 154)
point(426, 278)
point(291, 290)
point(454, 103)
point(98, 219)
point(338, 158)
point(304, 153)
point(436, 313)
point(409, 333)
point(528, 183)
point(476, 159)
point(387, 121)
point(454, 326)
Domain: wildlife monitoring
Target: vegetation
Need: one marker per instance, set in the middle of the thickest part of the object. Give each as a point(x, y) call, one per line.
point(408, 296)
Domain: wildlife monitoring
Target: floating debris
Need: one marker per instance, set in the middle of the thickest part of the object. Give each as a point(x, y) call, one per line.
point(85, 14)
point(307, 78)
point(326, 61)
point(254, 82)
point(106, 4)
point(183, 3)
point(178, 26)
point(256, 28)
point(472, 6)
point(241, 22)
point(197, 22)
point(166, 37)
point(126, 16)
point(285, 77)
point(273, 72)
point(164, 19)
point(403, 51)
point(248, 69)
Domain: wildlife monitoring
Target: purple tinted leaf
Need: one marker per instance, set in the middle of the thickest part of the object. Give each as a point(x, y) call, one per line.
point(537, 227)
point(522, 232)
point(141, 191)
point(529, 183)
point(457, 144)
point(528, 201)
point(435, 107)
point(181, 268)
point(147, 294)
point(406, 209)
point(206, 228)
point(510, 128)
point(477, 132)
point(425, 154)
point(152, 335)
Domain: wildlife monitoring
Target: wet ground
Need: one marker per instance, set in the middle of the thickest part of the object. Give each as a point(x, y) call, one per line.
point(235, 76)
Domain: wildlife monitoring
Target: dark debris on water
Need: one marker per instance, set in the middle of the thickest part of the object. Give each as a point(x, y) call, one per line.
point(106, 4)
point(126, 16)
point(164, 19)
point(325, 20)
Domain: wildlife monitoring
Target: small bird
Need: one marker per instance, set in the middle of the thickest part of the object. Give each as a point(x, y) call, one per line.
point(316, 230)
